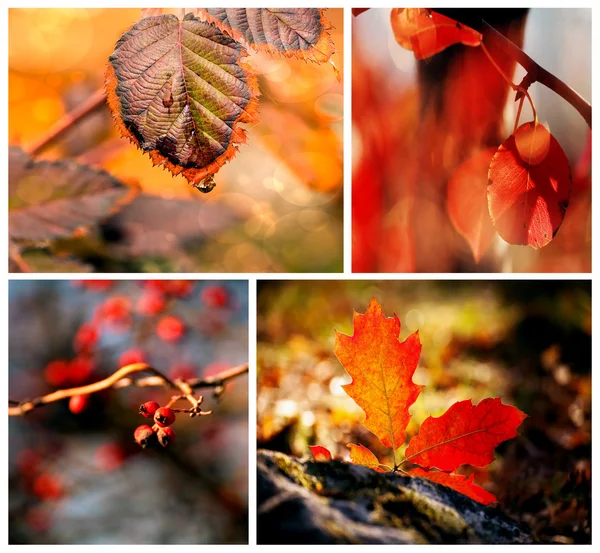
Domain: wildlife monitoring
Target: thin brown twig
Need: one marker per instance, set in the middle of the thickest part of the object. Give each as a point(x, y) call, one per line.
point(537, 73)
point(95, 101)
point(121, 379)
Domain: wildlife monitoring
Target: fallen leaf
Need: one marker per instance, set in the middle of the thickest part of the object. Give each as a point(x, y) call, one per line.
point(320, 453)
point(290, 32)
point(464, 434)
point(361, 455)
point(467, 202)
point(54, 199)
point(529, 186)
point(381, 368)
point(426, 32)
point(457, 482)
point(178, 90)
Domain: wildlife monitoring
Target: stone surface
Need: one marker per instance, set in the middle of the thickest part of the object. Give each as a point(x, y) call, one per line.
point(306, 502)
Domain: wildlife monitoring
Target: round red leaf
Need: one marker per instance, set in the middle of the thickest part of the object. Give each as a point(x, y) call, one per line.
point(529, 184)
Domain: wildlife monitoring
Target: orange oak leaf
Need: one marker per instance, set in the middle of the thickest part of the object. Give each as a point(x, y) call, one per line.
point(529, 185)
point(464, 434)
point(320, 453)
point(467, 202)
point(381, 368)
point(426, 32)
point(360, 455)
point(457, 482)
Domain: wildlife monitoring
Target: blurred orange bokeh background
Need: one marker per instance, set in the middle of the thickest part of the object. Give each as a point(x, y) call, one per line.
point(284, 187)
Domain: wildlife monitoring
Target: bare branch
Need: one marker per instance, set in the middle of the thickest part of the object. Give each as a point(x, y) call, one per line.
point(121, 379)
point(97, 100)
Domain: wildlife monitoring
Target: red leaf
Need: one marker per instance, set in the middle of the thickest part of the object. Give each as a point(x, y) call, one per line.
point(320, 453)
point(426, 32)
point(457, 482)
point(361, 455)
point(381, 368)
point(464, 434)
point(529, 184)
point(467, 202)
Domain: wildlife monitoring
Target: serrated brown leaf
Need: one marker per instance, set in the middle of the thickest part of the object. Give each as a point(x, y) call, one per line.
point(179, 90)
point(457, 482)
point(290, 32)
point(464, 434)
point(381, 368)
point(54, 199)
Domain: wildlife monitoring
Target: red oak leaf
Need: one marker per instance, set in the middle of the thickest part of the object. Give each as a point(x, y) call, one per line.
point(361, 455)
point(464, 434)
point(320, 453)
point(381, 368)
point(529, 185)
point(426, 32)
point(467, 202)
point(457, 482)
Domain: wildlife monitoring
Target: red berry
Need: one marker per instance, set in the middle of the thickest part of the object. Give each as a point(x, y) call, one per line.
point(148, 409)
point(151, 303)
point(94, 285)
point(86, 338)
point(144, 435)
point(131, 356)
point(164, 416)
point(116, 312)
point(57, 372)
point(78, 404)
point(109, 456)
point(180, 288)
point(170, 328)
point(29, 462)
point(80, 370)
point(185, 371)
point(47, 486)
point(166, 436)
point(214, 296)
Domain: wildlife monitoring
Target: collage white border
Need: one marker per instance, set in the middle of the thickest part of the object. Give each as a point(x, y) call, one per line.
point(253, 277)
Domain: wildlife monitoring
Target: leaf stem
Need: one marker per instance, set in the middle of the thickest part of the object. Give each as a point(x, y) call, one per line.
point(94, 102)
point(536, 73)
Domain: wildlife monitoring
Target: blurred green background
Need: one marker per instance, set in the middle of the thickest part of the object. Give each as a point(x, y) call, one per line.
point(527, 342)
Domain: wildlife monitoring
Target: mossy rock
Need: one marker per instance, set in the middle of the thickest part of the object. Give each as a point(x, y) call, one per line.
point(306, 502)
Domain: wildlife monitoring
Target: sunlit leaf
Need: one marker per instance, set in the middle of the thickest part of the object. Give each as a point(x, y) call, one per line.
point(381, 368)
point(320, 453)
point(291, 32)
point(178, 90)
point(457, 482)
point(426, 32)
point(361, 455)
point(464, 434)
point(529, 187)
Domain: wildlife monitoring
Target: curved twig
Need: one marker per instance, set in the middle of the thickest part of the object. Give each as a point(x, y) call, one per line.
point(537, 73)
point(95, 101)
point(121, 379)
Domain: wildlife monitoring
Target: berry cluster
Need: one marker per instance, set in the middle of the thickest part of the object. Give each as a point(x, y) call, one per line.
point(161, 431)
